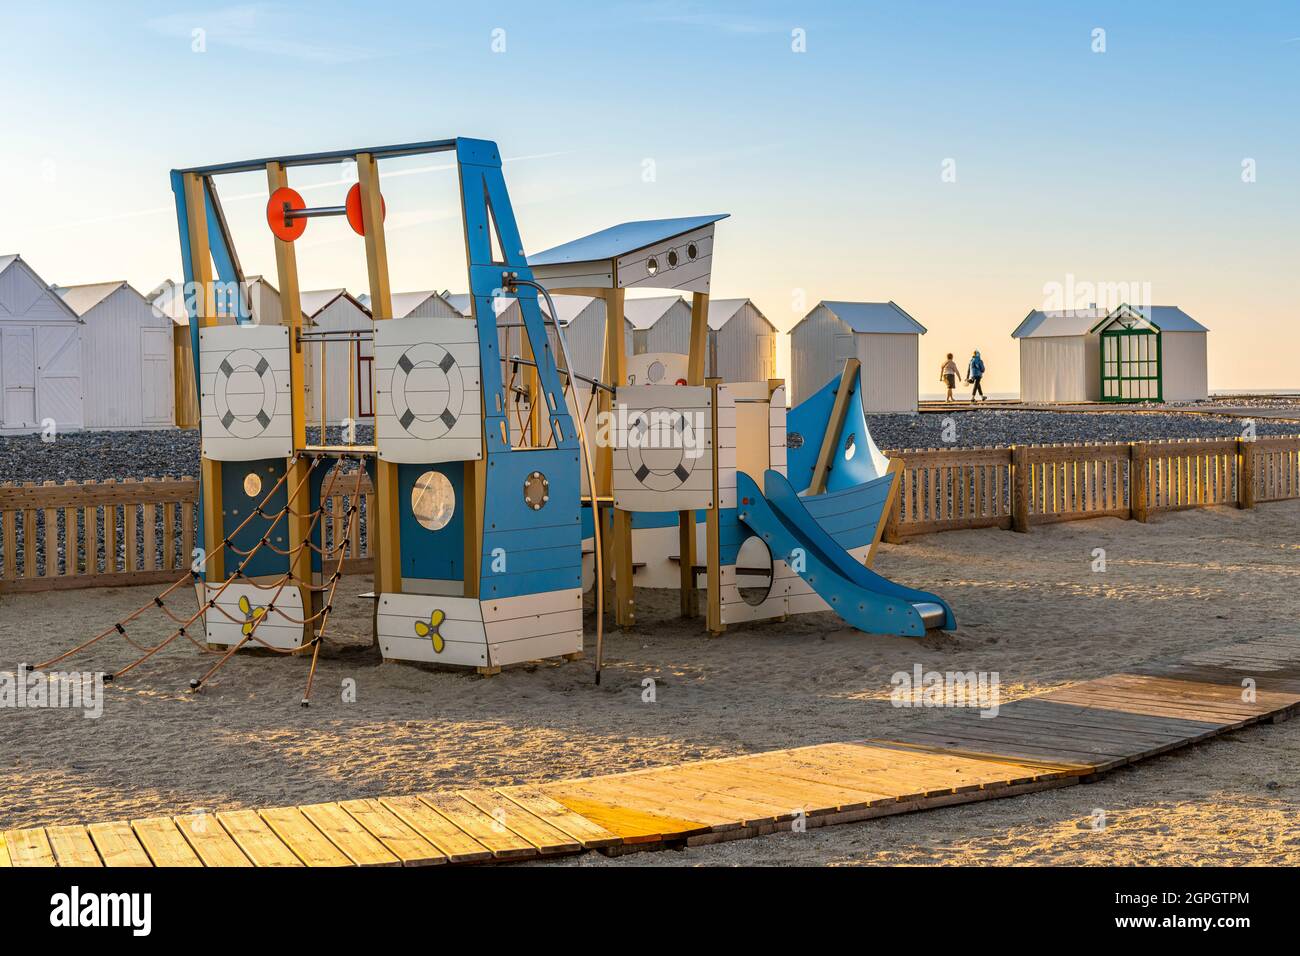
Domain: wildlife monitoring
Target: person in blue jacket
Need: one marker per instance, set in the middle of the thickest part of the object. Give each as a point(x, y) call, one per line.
point(975, 372)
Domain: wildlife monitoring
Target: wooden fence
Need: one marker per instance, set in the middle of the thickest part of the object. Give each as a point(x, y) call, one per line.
point(143, 532)
point(105, 534)
point(1025, 485)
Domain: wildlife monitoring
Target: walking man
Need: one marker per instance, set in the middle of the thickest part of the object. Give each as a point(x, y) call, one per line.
point(975, 372)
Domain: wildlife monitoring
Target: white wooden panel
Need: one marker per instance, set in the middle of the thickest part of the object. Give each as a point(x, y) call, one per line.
point(657, 368)
point(246, 604)
point(428, 397)
point(670, 264)
point(776, 412)
point(246, 398)
point(662, 448)
point(464, 642)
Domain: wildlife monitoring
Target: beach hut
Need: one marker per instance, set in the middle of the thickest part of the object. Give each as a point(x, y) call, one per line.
point(1060, 357)
point(659, 323)
point(334, 366)
point(1152, 353)
point(40, 354)
point(430, 304)
point(126, 357)
point(742, 342)
point(880, 335)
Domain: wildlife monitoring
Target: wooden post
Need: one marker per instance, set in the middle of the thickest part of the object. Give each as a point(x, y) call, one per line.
point(1139, 506)
point(1020, 482)
point(834, 425)
point(695, 369)
point(196, 212)
point(618, 544)
point(383, 525)
point(298, 488)
point(893, 505)
point(713, 528)
point(1245, 473)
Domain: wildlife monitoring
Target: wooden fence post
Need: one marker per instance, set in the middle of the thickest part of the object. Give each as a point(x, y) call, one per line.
point(1020, 488)
point(1138, 505)
point(1245, 473)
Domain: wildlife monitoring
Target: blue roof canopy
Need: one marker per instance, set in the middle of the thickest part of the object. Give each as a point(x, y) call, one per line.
point(621, 239)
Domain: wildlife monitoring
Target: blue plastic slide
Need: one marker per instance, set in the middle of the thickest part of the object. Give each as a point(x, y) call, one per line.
point(859, 595)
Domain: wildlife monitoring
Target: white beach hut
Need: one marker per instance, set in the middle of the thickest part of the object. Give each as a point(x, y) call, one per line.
point(1060, 357)
point(126, 357)
point(40, 354)
point(880, 335)
point(336, 364)
point(742, 342)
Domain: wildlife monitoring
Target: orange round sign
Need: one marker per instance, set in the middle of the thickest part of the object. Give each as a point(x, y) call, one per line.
point(353, 206)
point(281, 201)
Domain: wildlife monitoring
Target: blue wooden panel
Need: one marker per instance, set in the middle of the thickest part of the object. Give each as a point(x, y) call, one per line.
point(440, 554)
point(237, 505)
point(852, 515)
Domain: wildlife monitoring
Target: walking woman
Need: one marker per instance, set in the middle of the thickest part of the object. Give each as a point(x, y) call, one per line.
point(974, 373)
point(949, 375)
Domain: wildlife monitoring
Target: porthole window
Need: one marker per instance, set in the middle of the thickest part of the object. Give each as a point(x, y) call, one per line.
point(433, 500)
point(537, 491)
point(655, 373)
point(692, 251)
point(672, 258)
point(850, 447)
point(252, 484)
point(652, 265)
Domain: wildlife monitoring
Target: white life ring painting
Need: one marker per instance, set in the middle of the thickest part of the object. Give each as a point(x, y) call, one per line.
point(428, 405)
point(245, 396)
point(663, 448)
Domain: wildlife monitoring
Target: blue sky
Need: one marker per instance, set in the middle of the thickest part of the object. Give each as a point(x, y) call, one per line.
point(1115, 166)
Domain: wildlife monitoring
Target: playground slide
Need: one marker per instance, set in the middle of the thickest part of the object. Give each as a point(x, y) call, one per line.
point(860, 596)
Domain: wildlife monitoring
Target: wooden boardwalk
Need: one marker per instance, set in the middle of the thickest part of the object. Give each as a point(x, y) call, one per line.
point(1053, 740)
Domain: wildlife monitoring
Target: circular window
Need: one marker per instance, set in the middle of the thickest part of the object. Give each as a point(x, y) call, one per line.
point(252, 484)
point(433, 500)
point(655, 373)
point(672, 258)
point(537, 491)
point(754, 571)
point(692, 251)
point(652, 265)
point(850, 447)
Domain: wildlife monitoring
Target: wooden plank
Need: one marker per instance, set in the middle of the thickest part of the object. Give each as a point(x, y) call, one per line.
point(590, 835)
point(542, 835)
point(210, 841)
point(9, 523)
point(164, 842)
point(631, 826)
point(72, 846)
point(29, 847)
point(361, 847)
point(299, 835)
point(490, 831)
point(400, 840)
point(117, 844)
point(5, 861)
point(257, 840)
point(456, 844)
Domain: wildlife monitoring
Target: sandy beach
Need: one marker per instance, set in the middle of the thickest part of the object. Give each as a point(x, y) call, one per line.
point(1030, 607)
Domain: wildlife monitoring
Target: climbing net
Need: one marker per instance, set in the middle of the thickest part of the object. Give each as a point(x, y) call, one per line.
point(249, 624)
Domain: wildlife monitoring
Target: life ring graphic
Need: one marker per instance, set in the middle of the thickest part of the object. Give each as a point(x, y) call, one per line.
point(428, 391)
point(244, 393)
point(662, 460)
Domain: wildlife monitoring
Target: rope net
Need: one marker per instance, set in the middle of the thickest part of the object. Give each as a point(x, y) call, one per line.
point(349, 518)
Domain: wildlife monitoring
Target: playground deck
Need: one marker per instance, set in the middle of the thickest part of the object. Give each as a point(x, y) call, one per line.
point(1052, 740)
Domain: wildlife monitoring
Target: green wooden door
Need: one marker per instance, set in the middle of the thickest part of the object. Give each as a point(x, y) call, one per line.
point(1130, 365)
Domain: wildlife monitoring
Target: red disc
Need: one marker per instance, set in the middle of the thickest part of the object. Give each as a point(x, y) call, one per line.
point(282, 199)
point(354, 209)
point(681, 381)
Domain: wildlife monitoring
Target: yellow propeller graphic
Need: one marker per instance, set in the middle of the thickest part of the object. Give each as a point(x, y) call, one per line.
point(430, 630)
point(251, 615)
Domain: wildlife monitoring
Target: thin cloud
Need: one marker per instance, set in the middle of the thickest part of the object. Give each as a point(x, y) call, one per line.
point(257, 28)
